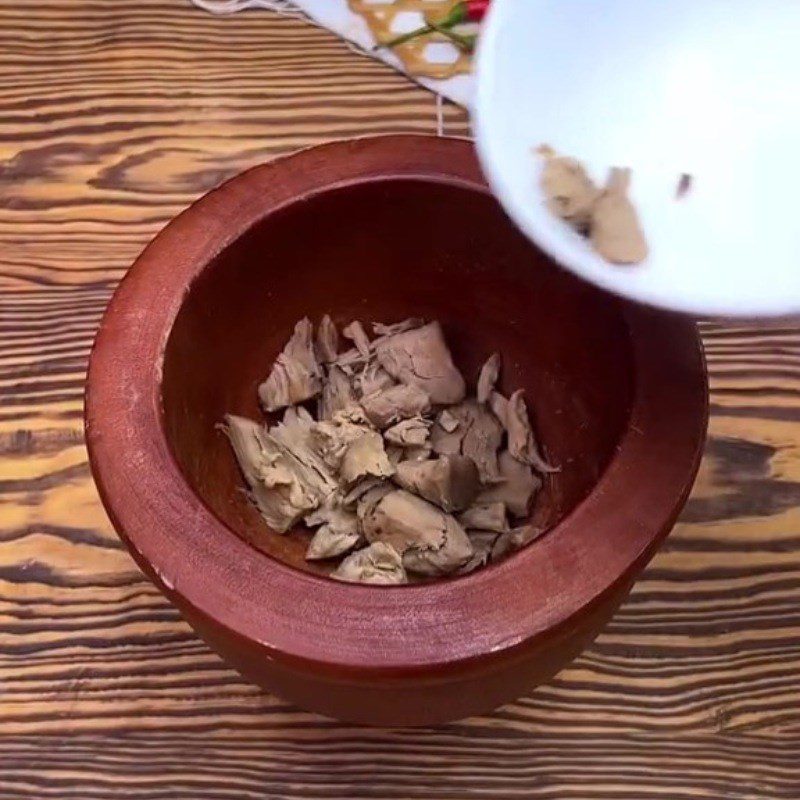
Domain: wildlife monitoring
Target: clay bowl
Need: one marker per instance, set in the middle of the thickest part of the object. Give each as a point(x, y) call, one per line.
point(382, 229)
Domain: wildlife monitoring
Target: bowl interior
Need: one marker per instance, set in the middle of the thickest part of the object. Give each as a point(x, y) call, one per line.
point(383, 250)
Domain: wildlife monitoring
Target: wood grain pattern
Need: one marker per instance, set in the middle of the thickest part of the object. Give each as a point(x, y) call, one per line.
point(113, 116)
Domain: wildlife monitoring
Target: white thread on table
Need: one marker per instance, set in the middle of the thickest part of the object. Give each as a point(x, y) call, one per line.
point(284, 7)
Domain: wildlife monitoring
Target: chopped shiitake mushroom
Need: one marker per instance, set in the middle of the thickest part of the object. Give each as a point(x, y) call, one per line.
point(450, 481)
point(379, 563)
point(485, 517)
point(296, 375)
point(420, 357)
point(482, 543)
point(358, 336)
point(521, 443)
point(616, 233)
point(337, 393)
point(327, 341)
point(513, 540)
point(389, 406)
point(569, 190)
point(365, 456)
point(487, 379)
point(371, 379)
point(606, 216)
point(338, 530)
point(395, 450)
point(281, 487)
point(478, 435)
point(517, 488)
point(430, 541)
point(413, 432)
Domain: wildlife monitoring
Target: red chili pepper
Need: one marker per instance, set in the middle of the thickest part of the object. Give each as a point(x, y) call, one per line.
point(477, 9)
point(465, 11)
point(462, 11)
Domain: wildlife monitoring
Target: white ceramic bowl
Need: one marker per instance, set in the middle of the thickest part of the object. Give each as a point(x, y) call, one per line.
point(705, 87)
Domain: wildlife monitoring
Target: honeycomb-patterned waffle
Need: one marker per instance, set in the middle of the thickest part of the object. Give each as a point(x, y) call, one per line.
point(414, 54)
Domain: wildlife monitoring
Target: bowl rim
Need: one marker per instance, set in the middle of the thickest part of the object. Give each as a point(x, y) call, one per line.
point(342, 630)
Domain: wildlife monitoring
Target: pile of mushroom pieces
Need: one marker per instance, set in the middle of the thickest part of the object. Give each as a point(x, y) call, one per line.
point(398, 470)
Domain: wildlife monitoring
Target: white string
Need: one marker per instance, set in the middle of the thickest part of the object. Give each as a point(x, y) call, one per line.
point(285, 8)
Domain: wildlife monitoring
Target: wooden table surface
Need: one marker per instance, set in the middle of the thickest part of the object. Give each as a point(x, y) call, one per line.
point(113, 117)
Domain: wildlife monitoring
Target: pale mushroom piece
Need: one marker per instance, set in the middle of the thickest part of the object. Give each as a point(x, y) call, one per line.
point(352, 361)
point(446, 421)
point(478, 560)
point(513, 540)
point(499, 407)
point(249, 442)
point(521, 443)
point(327, 344)
point(450, 481)
point(481, 442)
point(296, 376)
point(353, 413)
point(616, 233)
point(478, 435)
point(569, 190)
point(455, 553)
point(372, 378)
point(405, 520)
point(395, 453)
point(333, 512)
point(365, 456)
point(339, 531)
point(482, 542)
point(487, 379)
point(430, 541)
point(369, 499)
point(337, 393)
point(328, 542)
point(421, 453)
point(296, 432)
point(434, 563)
point(381, 329)
point(281, 487)
point(296, 419)
point(377, 564)
point(413, 432)
point(358, 336)
point(351, 498)
point(446, 442)
point(389, 406)
point(333, 437)
point(363, 355)
point(484, 516)
point(420, 357)
point(517, 489)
